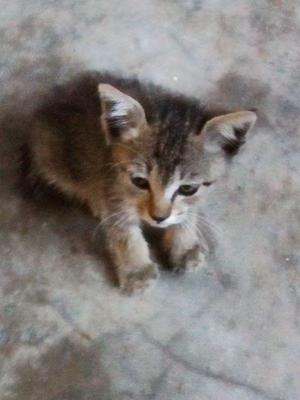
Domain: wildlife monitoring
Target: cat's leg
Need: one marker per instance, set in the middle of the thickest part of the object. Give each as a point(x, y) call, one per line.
point(183, 248)
point(130, 255)
point(127, 248)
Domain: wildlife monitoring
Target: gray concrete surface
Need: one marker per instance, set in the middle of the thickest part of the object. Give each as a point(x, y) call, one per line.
point(231, 332)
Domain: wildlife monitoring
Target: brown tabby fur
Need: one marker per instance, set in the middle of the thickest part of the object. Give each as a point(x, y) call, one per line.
point(94, 135)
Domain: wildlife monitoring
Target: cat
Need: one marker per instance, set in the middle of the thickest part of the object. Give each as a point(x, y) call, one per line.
point(135, 153)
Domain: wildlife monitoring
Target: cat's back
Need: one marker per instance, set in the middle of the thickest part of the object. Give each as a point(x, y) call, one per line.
point(66, 143)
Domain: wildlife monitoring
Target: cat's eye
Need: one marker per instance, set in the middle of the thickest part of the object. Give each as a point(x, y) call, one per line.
point(188, 190)
point(206, 183)
point(141, 183)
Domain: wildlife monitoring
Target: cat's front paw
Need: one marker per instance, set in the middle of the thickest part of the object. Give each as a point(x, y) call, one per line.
point(192, 260)
point(137, 281)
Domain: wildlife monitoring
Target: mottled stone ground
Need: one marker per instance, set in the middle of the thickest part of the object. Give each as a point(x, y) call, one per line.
point(230, 332)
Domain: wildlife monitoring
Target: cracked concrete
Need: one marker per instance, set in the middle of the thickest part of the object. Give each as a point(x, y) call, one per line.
point(230, 331)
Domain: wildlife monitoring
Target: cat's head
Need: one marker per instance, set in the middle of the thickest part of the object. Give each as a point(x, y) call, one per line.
point(167, 163)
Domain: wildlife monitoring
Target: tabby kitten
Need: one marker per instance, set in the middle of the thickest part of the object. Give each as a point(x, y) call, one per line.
point(135, 153)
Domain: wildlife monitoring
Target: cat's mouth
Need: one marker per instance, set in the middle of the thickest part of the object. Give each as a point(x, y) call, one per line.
point(171, 220)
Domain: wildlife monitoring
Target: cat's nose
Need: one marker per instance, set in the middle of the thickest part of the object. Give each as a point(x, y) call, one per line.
point(159, 217)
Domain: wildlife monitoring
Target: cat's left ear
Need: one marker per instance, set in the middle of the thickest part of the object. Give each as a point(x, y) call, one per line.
point(227, 132)
point(122, 116)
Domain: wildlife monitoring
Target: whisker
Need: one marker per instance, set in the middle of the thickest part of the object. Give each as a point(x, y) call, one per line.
point(194, 229)
point(211, 231)
point(202, 220)
point(105, 220)
point(210, 225)
point(122, 221)
point(202, 238)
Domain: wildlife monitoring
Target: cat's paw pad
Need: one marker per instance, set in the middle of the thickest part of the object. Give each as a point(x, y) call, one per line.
point(135, 282)
point(193, 260)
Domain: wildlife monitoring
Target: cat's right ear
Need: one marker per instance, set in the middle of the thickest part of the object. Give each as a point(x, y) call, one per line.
point(122, 116)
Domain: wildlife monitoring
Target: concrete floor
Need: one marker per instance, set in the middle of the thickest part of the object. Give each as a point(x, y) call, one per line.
point(231, 332)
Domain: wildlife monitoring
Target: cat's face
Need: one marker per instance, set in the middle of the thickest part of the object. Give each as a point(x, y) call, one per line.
point(163, 204)
point(166, 169)
point(160, 195)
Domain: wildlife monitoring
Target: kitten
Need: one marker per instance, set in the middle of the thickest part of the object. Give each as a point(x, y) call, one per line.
point(135, 153)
